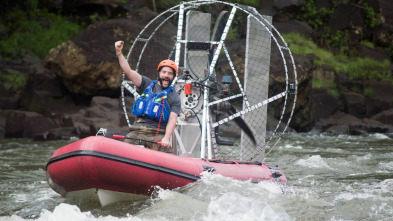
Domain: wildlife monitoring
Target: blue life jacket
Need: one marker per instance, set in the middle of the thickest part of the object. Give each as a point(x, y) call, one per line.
point(152, 105)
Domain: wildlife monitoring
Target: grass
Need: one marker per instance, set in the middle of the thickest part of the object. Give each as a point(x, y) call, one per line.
point(362, 68)
point(332, 87)
point(367, 44)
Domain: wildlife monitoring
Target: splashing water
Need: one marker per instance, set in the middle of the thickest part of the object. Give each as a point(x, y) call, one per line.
point(330, 178)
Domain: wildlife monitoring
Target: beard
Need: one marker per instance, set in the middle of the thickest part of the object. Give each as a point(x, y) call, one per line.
point(161, 82)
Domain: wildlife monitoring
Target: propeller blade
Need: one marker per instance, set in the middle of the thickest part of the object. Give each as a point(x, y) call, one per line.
point(242, 124)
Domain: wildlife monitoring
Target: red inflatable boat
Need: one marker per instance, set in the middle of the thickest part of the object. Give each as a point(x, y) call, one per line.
point(102, 163)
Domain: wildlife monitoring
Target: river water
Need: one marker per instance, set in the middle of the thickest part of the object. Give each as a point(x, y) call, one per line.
point(330, 178)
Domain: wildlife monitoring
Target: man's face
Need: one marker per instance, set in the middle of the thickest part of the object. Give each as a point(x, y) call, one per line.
point(166, 77)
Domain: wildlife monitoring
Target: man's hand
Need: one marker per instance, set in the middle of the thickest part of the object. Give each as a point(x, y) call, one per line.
point(119, 47)
point(165, 142)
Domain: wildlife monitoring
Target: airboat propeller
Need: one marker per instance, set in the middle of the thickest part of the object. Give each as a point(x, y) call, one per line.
point(242, 47)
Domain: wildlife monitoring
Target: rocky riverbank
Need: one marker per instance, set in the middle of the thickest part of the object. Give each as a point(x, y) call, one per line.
point(75, 90)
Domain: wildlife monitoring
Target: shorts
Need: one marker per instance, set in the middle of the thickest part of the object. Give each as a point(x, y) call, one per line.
point(147, 133)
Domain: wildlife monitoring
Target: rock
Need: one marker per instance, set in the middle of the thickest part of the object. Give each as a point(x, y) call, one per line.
point(61, 133)
point(324, 103)
point(282, 10)
point(46, 80)
point(341, 122)
point(43, 102)
point(381, 91)
point(26, 124)
point(103, 112)
point(338, 119)
point(142, 14)
point(354, 104)
point(286, 10)
point(383, 35)
point(385, 117)
point(76, 4)
point(6, 89)
point(302, 120)
point(348, 17)
point(373, 105)
point(324, 73)
point(2, 124)
point(374, 53)
point(35, 101)
point(387, 11)
point(8, 103)
point(379, 97)
point(337, 130)
point(87, 63)
point(290, 26)
point(323, 4)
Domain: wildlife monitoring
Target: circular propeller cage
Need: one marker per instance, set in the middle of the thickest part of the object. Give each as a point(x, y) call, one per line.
point(239, 67)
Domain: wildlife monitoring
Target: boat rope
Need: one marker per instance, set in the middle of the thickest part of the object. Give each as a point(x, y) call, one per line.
point(159, 122)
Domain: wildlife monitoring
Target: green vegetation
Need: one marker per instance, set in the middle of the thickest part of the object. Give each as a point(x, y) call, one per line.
point(368, 91)
point(390, 51)
point(316, 18)
point(17, 79)
point(253, 3)
point(34, 31)
point(367, 44)
point(354, 67)
point(337, 40)
point(372, 20)
point(162, 5)
point(319, 20)
point(332, 87)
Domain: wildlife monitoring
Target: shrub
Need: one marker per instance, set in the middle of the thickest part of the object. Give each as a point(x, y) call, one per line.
point(34, 31)
point(362, 68)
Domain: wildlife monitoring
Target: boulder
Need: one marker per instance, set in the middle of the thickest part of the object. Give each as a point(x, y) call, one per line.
point(87, 63)
point(380, 97)
point(302, 120)
point(323, 4)
point(61, 133)
point(375, 53)
point(340, 123)
point(324, 103)
point(103, 112)
point(2, 124)
point(354, 103)
point(286, 10)
point(110, 7)
point(380, 90)
point(348, 17)
point(6, 89)
point(43, 94)
point(385, 117)
point(324, 73)
point(337, 130)
point(290, 26)
point(8, 103)
point(383, 35)
point(26, 124)
point(387, 11)
point(282, 10)
point(8, 99)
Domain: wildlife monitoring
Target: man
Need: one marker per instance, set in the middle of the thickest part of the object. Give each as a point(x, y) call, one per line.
point(158, 107)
